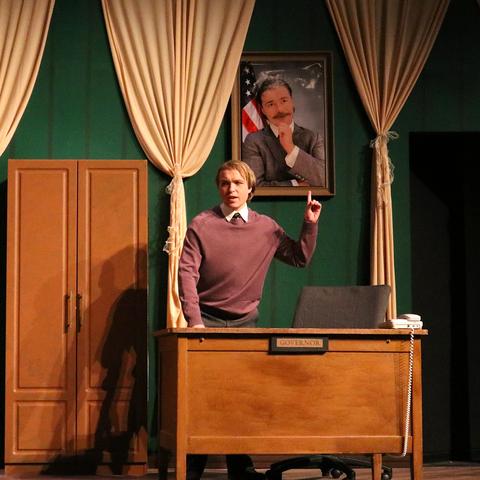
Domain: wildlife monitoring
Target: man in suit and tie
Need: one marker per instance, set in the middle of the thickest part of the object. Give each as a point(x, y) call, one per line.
point(283, 153)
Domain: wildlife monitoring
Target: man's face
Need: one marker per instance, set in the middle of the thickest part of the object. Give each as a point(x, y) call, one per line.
point(277, 105)
point(233, 189)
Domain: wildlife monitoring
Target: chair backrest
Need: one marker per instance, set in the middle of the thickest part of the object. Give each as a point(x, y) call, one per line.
point(342, 306)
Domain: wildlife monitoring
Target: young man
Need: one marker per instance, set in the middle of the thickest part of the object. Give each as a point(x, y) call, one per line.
point(283, 153)
point(225, 258)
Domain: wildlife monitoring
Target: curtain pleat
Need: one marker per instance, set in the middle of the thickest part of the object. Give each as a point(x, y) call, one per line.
point(176, 62)
point(386, 44)
point(23, 33)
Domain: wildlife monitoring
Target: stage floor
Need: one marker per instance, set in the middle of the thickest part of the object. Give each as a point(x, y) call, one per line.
point(431, 472)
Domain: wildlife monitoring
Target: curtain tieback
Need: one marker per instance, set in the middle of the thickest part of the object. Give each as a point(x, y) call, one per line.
point(176, 178)
point(172, 245)
point(384, 165)
point(386, 137)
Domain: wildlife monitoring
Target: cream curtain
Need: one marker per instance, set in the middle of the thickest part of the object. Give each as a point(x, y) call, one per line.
point(386, 43)
point(23, 33)
point(176, 62)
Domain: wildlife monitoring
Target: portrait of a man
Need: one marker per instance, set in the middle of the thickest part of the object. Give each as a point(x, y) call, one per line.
point(283, 153)
point(284, 122)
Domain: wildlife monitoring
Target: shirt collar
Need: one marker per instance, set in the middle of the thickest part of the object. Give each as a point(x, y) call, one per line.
point(275, 129)
point(229, 213)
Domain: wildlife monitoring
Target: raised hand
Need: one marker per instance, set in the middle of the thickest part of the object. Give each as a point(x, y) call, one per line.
point(312, 209)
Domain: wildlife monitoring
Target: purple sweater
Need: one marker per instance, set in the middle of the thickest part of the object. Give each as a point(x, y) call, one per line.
point(223, 265)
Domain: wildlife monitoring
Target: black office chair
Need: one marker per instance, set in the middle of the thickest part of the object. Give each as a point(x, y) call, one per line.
point(336, 307)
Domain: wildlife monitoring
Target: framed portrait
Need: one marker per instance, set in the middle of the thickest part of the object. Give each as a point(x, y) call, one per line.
point(282, 122)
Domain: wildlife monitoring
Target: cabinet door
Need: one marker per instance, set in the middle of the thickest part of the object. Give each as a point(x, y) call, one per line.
point(112, 269)
point(40, 340)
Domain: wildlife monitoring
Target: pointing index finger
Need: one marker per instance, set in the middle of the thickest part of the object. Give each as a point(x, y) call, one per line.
point(309, 196)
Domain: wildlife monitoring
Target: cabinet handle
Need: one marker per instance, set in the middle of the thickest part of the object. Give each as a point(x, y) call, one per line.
point(79, 311)
point(67, 298)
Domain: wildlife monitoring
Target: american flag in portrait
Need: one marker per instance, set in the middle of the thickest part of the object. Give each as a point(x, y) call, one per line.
point(251, 117)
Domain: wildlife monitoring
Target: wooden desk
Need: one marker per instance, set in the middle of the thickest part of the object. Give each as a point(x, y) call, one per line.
point(221, 391)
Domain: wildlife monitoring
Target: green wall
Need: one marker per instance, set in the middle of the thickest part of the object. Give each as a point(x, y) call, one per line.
point(76, 111)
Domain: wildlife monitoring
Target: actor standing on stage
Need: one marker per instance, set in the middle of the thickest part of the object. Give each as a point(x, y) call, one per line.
point(226, 255)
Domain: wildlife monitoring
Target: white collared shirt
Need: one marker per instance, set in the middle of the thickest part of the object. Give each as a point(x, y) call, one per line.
point(275, 129)
point(229, 213)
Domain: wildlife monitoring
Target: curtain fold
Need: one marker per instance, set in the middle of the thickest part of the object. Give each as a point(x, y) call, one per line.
point(176, 62)
point(386, 43)
point(23, 33)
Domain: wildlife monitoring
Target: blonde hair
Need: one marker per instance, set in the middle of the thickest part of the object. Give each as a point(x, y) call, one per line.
point(243, 169)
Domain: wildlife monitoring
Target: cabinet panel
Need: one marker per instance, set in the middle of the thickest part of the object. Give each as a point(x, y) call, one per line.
point(41, 274)
point(35, 420)
point(112, 266)
point(76, 313)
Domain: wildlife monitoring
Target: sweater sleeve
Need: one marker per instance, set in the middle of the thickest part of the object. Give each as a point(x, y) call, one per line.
point(188, 276)
point(298, 253)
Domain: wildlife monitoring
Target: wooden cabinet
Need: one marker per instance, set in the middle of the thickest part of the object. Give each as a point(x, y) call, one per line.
point(76, 314)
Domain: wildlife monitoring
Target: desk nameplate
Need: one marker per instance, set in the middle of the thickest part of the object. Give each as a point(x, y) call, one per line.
point(301, 345)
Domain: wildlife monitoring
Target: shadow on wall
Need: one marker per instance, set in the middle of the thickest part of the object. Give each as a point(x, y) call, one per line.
point(114, 377)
